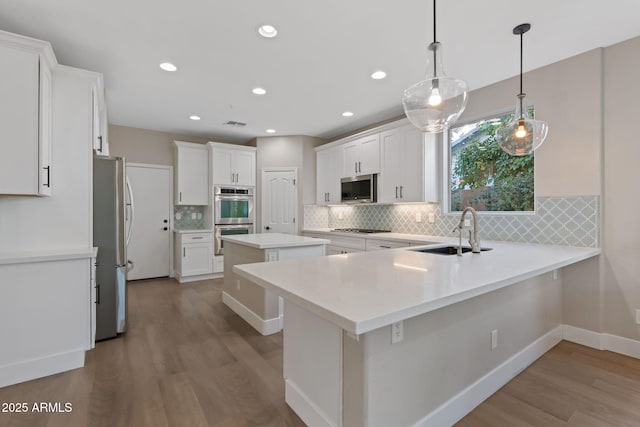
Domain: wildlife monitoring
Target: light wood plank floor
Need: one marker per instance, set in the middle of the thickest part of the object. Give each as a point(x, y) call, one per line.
point(187, 360)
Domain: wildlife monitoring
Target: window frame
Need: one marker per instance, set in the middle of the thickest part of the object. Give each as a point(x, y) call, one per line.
point(446, 168)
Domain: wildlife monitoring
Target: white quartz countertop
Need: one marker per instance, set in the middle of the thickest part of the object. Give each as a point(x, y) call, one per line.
point(363, 291)
point(205, 230)
point(48, 255)
point(274, 240)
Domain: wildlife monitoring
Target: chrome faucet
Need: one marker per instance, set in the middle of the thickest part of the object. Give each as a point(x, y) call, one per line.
point(474, 242)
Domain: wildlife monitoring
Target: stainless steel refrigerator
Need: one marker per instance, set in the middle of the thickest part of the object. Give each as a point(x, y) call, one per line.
point(109, 205)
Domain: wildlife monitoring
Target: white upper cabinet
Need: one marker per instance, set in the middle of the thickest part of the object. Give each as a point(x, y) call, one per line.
point(192, 173)
point(233, 164)
point(361, 156)
point(25, 116)
point(328, 171)
point(99, 120)
point(409, 170)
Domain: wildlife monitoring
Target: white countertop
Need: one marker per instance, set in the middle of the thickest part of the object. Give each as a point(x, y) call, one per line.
point(364, 291)
point(204, 230)
point(274, 240)
point(50, 255)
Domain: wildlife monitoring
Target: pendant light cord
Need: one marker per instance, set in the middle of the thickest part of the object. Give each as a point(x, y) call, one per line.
point(435, 73)
point(521, 37)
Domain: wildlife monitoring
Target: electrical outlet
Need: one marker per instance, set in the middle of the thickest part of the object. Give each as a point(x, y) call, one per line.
point(194, 215)
point(178, 215)
point(432, 218)
point(199, 215)
point(340, 215)
point(418, 217)
point(638, 316)
point(272, 256)
point(494, 339)
point(467, 222)
point(397, 333)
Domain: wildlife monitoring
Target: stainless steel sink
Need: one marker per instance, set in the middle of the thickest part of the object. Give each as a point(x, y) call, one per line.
point(446, 250)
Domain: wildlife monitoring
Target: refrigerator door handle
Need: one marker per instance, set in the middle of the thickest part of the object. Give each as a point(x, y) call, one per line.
point(133, 211)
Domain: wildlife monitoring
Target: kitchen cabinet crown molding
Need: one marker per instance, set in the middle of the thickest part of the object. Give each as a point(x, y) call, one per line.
point(27, 43)
point(214, 144)
point(364, 133)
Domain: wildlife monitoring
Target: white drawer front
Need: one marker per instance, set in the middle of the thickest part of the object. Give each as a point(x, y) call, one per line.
point(197, 237)
point(376, 244)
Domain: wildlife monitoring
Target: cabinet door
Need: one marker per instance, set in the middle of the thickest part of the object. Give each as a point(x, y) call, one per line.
point(369, 157)
point(412, 168)
point(222, 163)
point(44, 140)
point(324, 176)
point(192, 175)
point(19, 121)
point(350, 152)
point(197, 258)
point(244, 166)
point(390, 179)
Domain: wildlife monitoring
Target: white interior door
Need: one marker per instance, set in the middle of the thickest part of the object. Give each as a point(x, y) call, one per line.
point(150, 245)
point(279, 200)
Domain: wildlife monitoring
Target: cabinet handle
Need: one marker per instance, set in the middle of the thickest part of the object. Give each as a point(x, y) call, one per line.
point(100, 139)
point(385, 247)
point(401, 191)
point(180, 196)
point(396, 192)
point(355, 167)
point(165, 228)
point(359, 167)
point(197, 238)
point(184, 252)
point(97, 294)
point(48, 184)
point(237, 177)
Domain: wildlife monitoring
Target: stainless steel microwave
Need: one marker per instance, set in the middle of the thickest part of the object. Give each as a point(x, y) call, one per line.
point(359, 189)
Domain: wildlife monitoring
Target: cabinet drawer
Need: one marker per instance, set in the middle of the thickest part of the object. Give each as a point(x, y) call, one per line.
point(197, 237)
point(347, 242)
point(334, 250)
point(376, 244)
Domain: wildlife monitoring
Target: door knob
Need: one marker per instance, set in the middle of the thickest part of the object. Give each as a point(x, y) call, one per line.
point(165, 221)
point(165, 228)
point(267, 228)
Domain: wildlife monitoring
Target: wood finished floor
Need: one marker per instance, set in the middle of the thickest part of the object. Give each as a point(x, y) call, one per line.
point(187, 360)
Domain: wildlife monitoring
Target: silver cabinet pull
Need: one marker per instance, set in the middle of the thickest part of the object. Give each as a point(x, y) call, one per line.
point(385, 247)
point(401, 191)
point(396, 192)
point(184, 252)
point(180, 196)
point(48, 184)
point(359, 167)
point(355, 166)
point(197, 238)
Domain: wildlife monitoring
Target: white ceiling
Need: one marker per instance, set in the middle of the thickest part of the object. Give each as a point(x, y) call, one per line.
point(317, 67)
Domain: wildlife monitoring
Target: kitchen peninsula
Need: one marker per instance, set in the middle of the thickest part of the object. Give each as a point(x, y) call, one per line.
point(400, 337)
point(261, 308)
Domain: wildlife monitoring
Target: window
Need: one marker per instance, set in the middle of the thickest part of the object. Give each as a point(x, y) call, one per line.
point(482, 175)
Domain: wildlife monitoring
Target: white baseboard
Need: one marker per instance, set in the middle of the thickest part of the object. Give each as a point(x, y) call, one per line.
point(186, 279)
point(304, 407)
point(458, 406)
point(265, 327)
point(602, 341)
point(41, 367)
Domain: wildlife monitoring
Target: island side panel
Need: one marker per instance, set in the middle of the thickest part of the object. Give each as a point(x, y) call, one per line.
point(312, 366)
point(259, 307)
point(445, 351)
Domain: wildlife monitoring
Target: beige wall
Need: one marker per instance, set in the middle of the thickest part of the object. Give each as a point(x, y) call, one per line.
point(621, 236)
point(147, 146)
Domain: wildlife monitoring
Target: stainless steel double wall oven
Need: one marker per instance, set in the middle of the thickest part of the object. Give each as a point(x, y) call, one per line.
point(234, 213)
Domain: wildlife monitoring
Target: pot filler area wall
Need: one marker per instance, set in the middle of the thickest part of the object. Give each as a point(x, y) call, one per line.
point(570, 221)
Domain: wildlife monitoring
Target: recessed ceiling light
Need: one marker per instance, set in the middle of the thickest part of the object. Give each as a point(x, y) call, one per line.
point(377, 75)
point(271, 131)
point(168, 66)
point(259, 91)
point(194, 117)
point(347, 114)
point(267, 31)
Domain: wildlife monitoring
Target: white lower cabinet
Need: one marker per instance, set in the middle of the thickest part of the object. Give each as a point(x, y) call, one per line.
point(193, 255)
point(334, 250)
point(377, 244)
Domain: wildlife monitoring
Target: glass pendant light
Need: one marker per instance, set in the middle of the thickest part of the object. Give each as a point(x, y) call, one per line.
point(522, 134)
point(435, 103)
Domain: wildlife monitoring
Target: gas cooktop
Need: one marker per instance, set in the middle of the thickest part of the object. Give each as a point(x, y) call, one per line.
point(360, 230)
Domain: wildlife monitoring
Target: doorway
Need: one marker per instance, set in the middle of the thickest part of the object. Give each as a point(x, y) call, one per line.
point(149, 219)
point(279, 200)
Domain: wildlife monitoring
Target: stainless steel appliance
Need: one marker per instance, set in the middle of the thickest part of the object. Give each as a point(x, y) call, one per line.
point(359, 189)
point(233, 205)
point(360, 230)
point(109, 223)
point(228, 230)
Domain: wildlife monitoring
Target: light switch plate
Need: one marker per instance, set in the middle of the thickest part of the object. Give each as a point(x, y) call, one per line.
point(194, 215)
point(432, 218)
point(178, 215)
point(397, 332)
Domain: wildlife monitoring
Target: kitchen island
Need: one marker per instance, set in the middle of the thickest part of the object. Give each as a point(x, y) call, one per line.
point(261, 308)
point(400, 337)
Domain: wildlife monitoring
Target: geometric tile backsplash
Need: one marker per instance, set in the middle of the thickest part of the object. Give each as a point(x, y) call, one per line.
point(571, 221)
point(186, 222)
